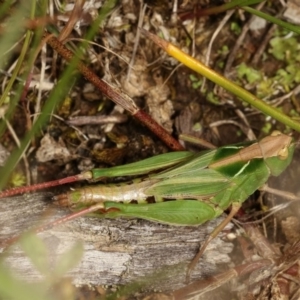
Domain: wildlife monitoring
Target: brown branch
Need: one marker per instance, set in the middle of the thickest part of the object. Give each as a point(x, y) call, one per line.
point(115, 94)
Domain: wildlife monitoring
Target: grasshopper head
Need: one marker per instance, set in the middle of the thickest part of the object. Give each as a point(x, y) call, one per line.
point(278, 150)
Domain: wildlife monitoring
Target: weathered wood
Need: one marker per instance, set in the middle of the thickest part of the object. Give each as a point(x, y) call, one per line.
point(115, 251)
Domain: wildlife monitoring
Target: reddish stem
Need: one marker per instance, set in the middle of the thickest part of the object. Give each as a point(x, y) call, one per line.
point(158, 130)
point(114, 94)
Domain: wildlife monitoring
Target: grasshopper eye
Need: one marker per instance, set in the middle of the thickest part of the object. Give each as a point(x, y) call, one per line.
point(276, 133)
point(283, 153)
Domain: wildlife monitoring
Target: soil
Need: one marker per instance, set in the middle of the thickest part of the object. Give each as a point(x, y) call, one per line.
point(88, 131)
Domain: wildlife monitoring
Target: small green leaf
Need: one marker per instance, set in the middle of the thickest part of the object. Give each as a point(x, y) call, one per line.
point(196, 82)
point(265, 87)
point(212, 98)
point(251, 74)
point(224, 50)
point(267, 128)
point(235, 27)
point(17, 179)
point(36, 251)
point(293, 69)
point(284, 49)
point(14, 289)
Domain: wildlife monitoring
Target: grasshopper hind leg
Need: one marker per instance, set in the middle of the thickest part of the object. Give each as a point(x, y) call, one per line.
point(234, 209)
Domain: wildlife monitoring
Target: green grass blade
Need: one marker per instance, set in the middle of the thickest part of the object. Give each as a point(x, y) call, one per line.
point(272, 19)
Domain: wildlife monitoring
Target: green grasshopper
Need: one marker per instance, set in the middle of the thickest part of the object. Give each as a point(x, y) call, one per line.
point(190, 190)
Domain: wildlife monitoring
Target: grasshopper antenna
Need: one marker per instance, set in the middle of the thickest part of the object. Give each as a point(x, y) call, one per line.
point(44, 185)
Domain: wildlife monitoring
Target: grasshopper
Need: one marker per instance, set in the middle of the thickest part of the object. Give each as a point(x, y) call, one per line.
point(185, 188)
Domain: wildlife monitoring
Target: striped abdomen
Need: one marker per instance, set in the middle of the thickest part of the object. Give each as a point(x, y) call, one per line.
point(123, 192)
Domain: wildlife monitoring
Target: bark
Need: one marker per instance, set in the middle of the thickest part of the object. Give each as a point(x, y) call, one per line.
point(119, 251)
